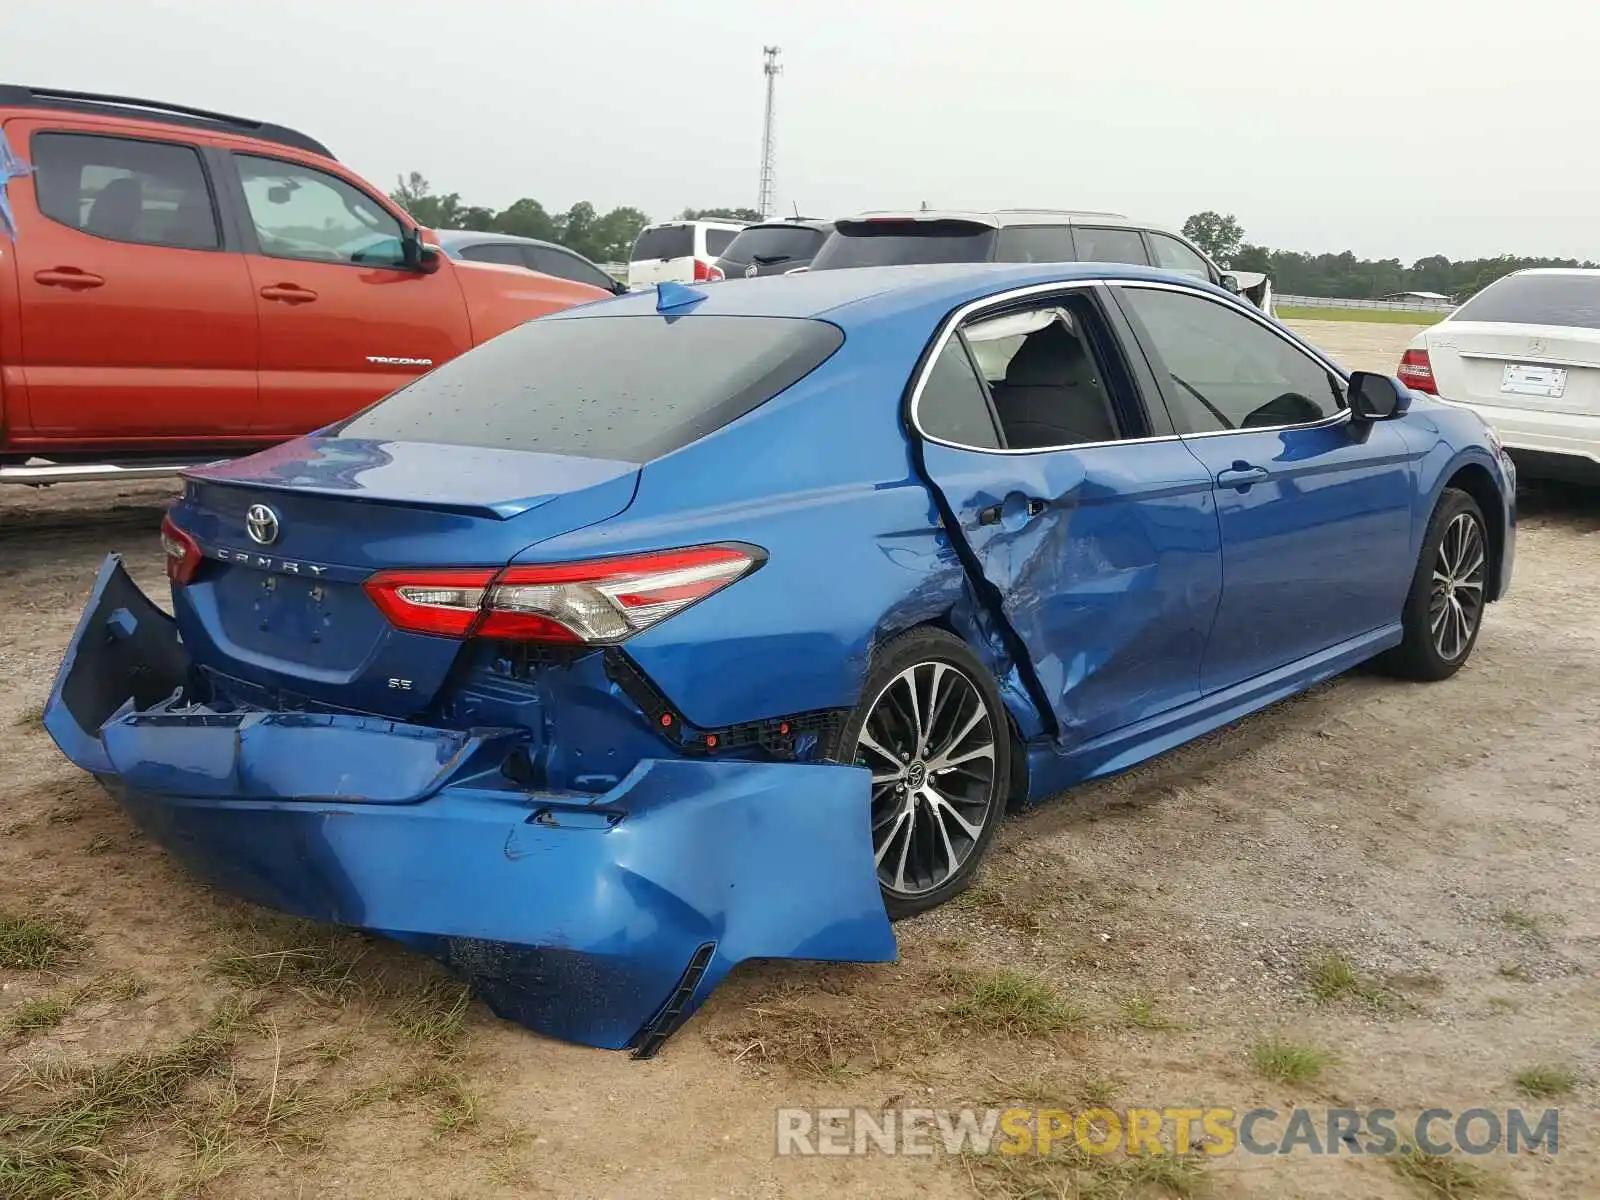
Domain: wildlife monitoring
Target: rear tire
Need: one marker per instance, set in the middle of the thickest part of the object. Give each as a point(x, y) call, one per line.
point(933, 730)
point(1444, 609)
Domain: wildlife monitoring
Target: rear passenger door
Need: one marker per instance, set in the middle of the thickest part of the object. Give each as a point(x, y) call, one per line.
point(137, 320)
point(1094, 525)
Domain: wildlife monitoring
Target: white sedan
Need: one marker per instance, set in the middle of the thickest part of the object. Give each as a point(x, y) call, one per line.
point(1525, 353)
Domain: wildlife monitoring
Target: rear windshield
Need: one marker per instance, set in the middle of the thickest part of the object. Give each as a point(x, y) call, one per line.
point(1571, 300)
point(895, 243)
point(667, 241)
point(770, 244)
point(623, 388)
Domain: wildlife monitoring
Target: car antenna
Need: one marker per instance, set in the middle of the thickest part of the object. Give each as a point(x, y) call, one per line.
point(674, 295)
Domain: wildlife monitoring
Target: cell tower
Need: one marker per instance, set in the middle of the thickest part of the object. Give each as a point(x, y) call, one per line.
point(767, 200)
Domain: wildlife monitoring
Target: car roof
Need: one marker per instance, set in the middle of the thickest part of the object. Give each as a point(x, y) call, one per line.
point(1001, 217)
point(473, 237)
point(132, 108)
point(866, 295)
point(1558, 271)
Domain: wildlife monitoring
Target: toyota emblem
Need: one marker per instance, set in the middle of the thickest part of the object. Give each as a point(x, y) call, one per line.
point(261, 523)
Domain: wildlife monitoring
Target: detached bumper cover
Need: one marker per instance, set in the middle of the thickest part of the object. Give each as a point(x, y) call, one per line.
point(601, 919)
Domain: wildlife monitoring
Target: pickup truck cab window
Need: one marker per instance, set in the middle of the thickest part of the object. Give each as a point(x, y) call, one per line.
point(125, 189)
point(302, 213)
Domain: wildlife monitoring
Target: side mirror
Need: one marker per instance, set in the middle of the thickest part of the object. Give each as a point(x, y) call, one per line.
point(1376, 397)
point(619, 288)
point(1230, 283)
point(417, 255)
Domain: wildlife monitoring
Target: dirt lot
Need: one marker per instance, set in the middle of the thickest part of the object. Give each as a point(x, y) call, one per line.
point(1376, 895)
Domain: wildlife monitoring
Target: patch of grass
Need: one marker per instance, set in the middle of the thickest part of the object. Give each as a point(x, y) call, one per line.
point(434, 1016)
point(792, 1035)
point(1334, 977)
point(56, 1150)
point(1515, 971)
point(335, 1049)
point(1288, 1062)
point(1072, 1174)
point(1140, 1012)
point(1503, 1004)
point(1440, 1176)
point(454, 1105)
point(31, 716)
point(1545, 1081)
point(1098, 1092)
point(311, 960)
point(1010, 1002)
point(44, 1012)
point(32, 944)
point(1530, 925)
point(1369, 316)
point(988, 899)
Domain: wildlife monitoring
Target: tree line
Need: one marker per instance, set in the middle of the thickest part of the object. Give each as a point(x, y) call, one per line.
point(1344, 276)
point(599, 237)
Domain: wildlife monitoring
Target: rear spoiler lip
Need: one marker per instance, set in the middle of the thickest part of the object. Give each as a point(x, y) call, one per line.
point(499, 510)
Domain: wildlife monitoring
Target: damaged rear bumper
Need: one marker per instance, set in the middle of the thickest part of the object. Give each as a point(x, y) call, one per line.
point(600, 919)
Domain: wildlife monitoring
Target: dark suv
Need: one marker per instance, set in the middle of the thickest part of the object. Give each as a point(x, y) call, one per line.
point(1024, 235)
point(774, 248)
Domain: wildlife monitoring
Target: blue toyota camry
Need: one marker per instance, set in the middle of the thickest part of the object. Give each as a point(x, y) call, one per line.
point(706, 625)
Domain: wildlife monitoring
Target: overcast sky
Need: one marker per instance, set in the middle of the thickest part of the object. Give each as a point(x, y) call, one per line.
point(1388, 127)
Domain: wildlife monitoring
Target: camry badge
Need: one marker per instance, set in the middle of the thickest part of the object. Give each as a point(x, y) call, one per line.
point(261, 523)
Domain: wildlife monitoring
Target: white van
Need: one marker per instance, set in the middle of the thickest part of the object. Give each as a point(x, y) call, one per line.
point(679, 252)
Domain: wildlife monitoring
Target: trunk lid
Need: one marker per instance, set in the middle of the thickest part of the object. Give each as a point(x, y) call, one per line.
point(1548, 368)
point(288, 537)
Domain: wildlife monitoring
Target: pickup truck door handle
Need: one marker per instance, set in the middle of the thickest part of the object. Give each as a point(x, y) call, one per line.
point(288, 293)
point(1241, 475)
point(68, 277)
point(1032, 506)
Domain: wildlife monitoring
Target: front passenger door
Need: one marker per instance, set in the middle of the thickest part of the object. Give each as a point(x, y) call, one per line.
point(1315, 512)
point(343, 320)
point(1102, 548)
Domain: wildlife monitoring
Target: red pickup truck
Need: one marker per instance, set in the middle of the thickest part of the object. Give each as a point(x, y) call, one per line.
point(184, 285)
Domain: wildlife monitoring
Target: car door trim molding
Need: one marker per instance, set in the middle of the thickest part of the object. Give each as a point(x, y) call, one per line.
point(955, 320)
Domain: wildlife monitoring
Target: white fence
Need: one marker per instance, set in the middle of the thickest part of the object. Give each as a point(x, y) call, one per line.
point(1433, 306)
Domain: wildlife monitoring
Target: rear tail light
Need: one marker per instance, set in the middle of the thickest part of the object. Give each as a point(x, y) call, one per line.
point(1416, 372)
point(598, 602)
point(182, 551)
point(705, 272)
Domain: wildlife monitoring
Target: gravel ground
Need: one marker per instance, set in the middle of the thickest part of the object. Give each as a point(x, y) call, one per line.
point(1438, 841)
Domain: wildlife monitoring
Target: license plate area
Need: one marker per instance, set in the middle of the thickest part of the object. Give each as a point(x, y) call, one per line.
point(1527, 379)
point(329, 624)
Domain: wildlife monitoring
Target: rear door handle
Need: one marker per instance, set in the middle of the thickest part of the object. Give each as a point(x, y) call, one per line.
point(1025, 508)
point(288, 293)
point(68, 277)
point(1241, 475)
